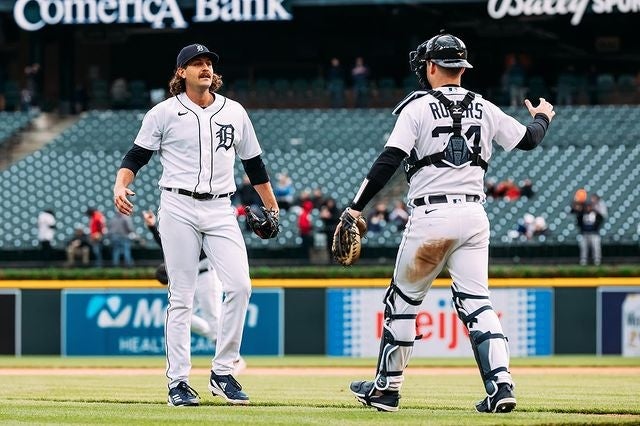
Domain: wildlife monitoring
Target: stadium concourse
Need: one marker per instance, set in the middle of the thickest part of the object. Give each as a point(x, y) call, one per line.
point(591, 147)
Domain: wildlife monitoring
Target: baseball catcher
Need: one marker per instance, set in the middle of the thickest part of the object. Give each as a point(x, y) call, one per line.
point(266, 226)
point(347, 239)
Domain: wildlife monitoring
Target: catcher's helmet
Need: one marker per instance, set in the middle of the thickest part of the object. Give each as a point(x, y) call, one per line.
point(445, 50)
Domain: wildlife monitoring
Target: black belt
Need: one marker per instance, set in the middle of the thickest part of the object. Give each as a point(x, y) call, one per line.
point(440, 199)
point(196, 195)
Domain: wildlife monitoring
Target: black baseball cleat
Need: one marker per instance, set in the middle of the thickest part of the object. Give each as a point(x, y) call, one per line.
point(367, 394)
point(504, 401)
point(183, 395)
point(228, 388)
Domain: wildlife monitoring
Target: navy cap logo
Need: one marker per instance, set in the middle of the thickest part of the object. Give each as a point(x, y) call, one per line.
point(199, 48)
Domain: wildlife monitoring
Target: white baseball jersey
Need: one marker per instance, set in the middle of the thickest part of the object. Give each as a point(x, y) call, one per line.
point(417, 126)
point(198, 145)
point(46, 226)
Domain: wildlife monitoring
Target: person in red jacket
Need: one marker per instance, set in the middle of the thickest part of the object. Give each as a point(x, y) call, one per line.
point(305, 226)
point(97, 229)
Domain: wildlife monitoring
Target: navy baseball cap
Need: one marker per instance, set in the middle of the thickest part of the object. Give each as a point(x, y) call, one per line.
point(191, 51)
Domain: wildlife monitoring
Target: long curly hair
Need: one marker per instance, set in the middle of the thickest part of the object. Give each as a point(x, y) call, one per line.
point(177, 84)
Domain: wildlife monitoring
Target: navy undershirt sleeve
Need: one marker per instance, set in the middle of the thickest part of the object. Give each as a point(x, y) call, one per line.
point(255, 170)
point(380, 173)
point(135, 158)
point(535, 133)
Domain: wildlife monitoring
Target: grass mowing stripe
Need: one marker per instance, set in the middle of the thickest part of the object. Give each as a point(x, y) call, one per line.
point(307, 361)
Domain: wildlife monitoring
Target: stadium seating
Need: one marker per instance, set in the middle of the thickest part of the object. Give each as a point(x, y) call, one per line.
point(591, 147)
point(12, 122)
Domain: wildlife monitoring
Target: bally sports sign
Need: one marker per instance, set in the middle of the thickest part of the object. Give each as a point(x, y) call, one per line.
point(32, 15)
point(498, 9)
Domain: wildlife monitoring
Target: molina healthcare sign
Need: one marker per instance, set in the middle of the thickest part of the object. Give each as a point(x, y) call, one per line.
point(32, 15)
point(104, 322)
point(355, 318)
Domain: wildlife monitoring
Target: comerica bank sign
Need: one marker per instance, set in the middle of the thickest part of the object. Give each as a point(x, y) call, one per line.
point(32, 15)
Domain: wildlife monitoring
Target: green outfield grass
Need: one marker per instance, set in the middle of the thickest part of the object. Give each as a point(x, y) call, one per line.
point(552, 394)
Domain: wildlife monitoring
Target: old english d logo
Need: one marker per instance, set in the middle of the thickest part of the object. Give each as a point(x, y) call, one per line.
point(225, 136)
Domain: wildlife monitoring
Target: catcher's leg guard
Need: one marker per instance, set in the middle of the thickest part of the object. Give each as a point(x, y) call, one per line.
point(398, 337)
point(487, 340)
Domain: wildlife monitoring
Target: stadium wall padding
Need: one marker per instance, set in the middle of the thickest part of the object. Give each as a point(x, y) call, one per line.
point(8, 322)
point(31, 320)
point(304, 319)
point(41, 322)
point(575, 325)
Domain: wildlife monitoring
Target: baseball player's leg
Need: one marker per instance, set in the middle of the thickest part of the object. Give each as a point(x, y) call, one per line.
point(207, 305)
point(596, 247)
point(181, 244)
point(199, 325)
point(583, 244)
point(418, 262)
point(224, 246)
point(468, 266)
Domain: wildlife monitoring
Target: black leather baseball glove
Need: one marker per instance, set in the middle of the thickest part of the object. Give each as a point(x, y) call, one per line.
point(347, 239)
point(265, 225)
point(161, 274)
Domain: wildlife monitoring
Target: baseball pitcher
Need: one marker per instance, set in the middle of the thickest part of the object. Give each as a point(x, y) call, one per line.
point(197, 134)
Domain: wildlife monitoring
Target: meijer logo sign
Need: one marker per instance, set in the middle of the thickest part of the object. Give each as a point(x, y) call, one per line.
point(157, 13)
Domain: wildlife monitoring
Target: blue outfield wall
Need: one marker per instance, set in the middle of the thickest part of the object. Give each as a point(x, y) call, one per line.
point(320, 318)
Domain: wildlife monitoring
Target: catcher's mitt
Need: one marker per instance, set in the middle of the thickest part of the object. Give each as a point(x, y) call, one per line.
point(346, 239)
point(266, 226)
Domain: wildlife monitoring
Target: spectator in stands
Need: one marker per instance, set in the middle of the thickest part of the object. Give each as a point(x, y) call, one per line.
point(305, 228)
point(599, 205)
point(378, 218)
point(30, 94)
point(399, 215)
point(540, 226)
point(508, 190)
point(490, 187)
point(335, 84)
point(592, 84)
point(78, 246)
point(530, 226)
point(46, 232)
point(97, 230)
point(566, 86)
point(120, 93)
point(330, 216)
point(526, 188)
point(579, 199)
point(525, 227)
point(589, 222)
point(318, 198)
point(304, 195)
point(121, 232)
point(360, 78)
point(79, 99)
point(514, 80)
point(284, 191)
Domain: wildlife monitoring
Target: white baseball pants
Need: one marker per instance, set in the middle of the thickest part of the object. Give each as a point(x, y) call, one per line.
point(186, 226)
